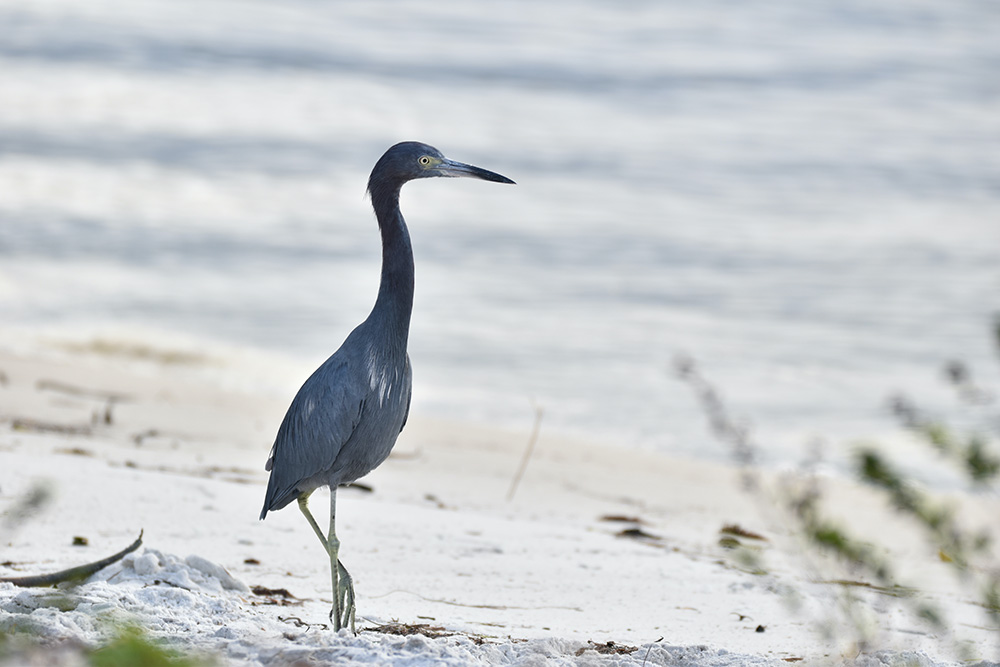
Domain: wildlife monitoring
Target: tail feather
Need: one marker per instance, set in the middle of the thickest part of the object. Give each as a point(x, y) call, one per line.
point(275, 498)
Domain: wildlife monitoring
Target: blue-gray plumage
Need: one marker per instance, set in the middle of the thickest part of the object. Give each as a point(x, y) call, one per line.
point(345, 419)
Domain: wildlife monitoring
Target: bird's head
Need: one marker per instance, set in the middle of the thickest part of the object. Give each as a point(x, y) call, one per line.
point(411, 159)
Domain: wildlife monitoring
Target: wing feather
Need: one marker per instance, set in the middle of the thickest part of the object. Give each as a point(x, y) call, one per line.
point(323, 415)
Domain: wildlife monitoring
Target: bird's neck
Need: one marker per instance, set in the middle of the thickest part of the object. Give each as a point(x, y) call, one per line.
point(395, 293)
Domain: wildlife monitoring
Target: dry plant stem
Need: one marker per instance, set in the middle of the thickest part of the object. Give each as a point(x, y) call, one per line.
point(527, 453)
point(803, 506)
point(797, 504)
point(74, 573)
point(32, 502)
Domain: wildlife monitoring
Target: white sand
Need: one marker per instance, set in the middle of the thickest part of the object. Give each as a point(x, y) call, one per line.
point(436, 543)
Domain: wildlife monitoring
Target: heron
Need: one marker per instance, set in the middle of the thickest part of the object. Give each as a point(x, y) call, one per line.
point(345, 419)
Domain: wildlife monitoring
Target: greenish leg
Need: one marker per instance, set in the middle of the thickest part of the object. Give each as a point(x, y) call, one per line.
point(304, 508)
point(346, 597)
point(342, 612)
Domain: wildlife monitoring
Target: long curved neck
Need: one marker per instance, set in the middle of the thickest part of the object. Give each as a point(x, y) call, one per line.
point(391, 313)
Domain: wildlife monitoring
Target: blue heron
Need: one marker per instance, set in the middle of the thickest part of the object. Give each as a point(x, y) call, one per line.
point(345, 418)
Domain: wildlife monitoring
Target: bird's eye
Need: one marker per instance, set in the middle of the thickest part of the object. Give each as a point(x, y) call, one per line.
point(424, 161)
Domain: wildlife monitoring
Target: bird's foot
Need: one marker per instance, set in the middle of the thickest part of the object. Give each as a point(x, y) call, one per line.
point(346, 598)
point(343, 610)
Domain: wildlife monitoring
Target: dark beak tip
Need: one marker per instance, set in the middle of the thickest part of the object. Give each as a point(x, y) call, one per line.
point(487, 175)
point(452, 168)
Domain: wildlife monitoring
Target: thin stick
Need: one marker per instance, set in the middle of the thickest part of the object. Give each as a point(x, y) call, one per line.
point(74, 573)
point(527, 453)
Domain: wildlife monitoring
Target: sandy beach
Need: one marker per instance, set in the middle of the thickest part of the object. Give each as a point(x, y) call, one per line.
point(602, 547)
point(800, 197)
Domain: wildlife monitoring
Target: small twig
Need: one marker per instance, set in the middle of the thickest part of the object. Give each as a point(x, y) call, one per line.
point(72, 390)
point(299, 623)
point(36, 426)
point(527, 453)
point(648, 649)
point(74, 573)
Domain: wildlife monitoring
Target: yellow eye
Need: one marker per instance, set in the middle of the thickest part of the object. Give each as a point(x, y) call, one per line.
point(424, 161)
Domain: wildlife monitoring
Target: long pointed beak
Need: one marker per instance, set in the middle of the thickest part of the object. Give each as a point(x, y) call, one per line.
point(453, 169)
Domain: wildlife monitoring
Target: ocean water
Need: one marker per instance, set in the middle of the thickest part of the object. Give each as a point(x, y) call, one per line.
point(803, 197)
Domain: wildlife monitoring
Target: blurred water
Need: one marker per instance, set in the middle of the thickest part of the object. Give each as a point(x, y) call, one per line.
point(805, 197)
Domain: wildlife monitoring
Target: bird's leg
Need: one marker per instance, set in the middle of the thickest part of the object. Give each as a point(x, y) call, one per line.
point(342, 612)
point(304, 508)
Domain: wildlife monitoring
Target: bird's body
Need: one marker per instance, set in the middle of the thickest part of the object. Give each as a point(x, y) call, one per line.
point(345, 419)
point(336, 408)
